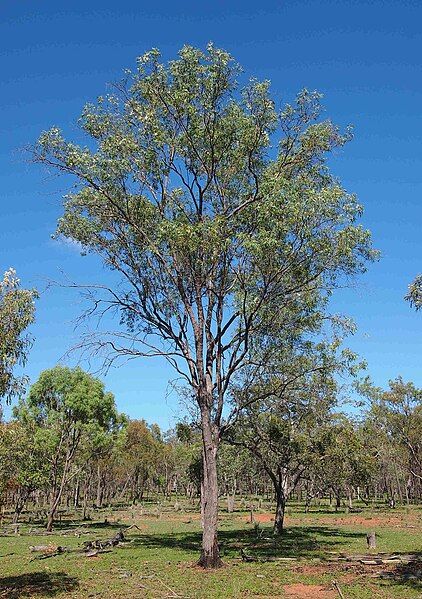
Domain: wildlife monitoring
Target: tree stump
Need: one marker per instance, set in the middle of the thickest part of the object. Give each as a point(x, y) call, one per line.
point(371, 540)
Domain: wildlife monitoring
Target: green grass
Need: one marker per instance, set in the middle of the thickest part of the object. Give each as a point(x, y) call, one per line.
point(159, 560)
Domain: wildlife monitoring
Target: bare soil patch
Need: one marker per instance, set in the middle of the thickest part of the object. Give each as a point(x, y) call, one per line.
point(308, 591)
point(356, 520)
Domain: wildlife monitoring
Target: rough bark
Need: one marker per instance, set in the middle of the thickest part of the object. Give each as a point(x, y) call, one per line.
point(280, 510)
point(210, 553)
point(20, 504)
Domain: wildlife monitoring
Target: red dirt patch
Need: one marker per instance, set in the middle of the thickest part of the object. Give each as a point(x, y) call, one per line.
point(366, 521)
point(262, 518)
point(308, 591)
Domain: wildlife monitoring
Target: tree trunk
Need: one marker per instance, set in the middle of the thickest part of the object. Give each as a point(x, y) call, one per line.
point(76, 495)
point(85, 500)
point(99, 500)
point(210, 553)
point(56, 498)
point(280, 510)
point(230, 503)
point(338, 502)
point(20, 504)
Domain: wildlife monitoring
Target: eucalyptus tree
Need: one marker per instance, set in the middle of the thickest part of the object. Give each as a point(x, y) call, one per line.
point(65, 405)
point(143, 452)
point(349, 461)
point(209, 205)
point(17, 311)
point(397, 414)
point(287, 407)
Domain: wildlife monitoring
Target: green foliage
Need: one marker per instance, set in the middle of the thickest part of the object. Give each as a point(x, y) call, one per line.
point(396, 414)
point(70, 397)
point(68, 415)
point(23, 464)
point(17, 310)
point(414, 295)
point(218, 211)
point(143, 452)
point(348, 460)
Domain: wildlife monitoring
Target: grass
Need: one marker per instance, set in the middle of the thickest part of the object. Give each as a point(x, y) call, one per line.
point(159, 560)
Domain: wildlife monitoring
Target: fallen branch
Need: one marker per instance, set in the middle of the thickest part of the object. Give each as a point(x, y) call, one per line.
point(247, 558)
point(338, 589)
point(133, 526)
point(48, 551)
point(100, 544)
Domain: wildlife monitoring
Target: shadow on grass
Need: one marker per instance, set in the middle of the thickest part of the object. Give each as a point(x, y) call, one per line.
point(309, 541)
point(408, 575)
point(37, 583)
point(86, 525)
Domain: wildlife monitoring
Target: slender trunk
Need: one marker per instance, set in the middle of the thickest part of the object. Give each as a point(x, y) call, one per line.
point(338, 502)
point(210, 553)
point(55, 502)
point(20, 504)
point(280, 510)
point(85, 501)
point(76, 495)
point(99, 500)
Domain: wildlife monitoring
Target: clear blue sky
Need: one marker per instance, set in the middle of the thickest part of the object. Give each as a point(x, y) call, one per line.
point(365, 56)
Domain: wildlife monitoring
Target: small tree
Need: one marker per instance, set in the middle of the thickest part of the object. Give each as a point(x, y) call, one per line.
point(17, 311)
point(65, 404)
point(348, 461)
point(397, 414)
point(283, 412)
point(211, 206)
point(142, 451)
point(23, 461)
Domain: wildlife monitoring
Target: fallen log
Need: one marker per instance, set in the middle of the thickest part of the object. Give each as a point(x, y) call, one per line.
point(45, 548)
point(102, 544)
point(376, 559)
point(59, 550)
point(247, 558)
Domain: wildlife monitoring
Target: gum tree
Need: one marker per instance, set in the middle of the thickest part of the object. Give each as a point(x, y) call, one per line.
point(209, 205)
point(285, 408)
point(66, 406)
point(17, 310)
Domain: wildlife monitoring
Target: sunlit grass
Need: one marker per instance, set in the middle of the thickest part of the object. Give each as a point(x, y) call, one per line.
point(159, 559)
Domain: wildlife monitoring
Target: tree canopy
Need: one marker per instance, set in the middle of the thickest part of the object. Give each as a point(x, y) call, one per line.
point(17, 311)
point(414, 295)
point(66, 406)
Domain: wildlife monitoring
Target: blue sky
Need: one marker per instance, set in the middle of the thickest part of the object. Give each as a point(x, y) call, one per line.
point(364, 56)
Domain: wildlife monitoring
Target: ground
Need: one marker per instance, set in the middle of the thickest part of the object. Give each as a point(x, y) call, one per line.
point(158, 561)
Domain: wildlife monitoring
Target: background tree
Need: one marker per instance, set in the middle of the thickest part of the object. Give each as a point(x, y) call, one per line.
point(28, 464)
point(17, 310)
point(285, 410)
point(143, 453)
point(211, 206)
point(64, 404)
point(397, 415)
point(348, 462)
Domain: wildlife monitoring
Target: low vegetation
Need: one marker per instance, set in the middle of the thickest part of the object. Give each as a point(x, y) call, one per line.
point(157, 558)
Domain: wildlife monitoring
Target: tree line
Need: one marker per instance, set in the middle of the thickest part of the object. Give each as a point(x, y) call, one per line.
point(68, 448)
